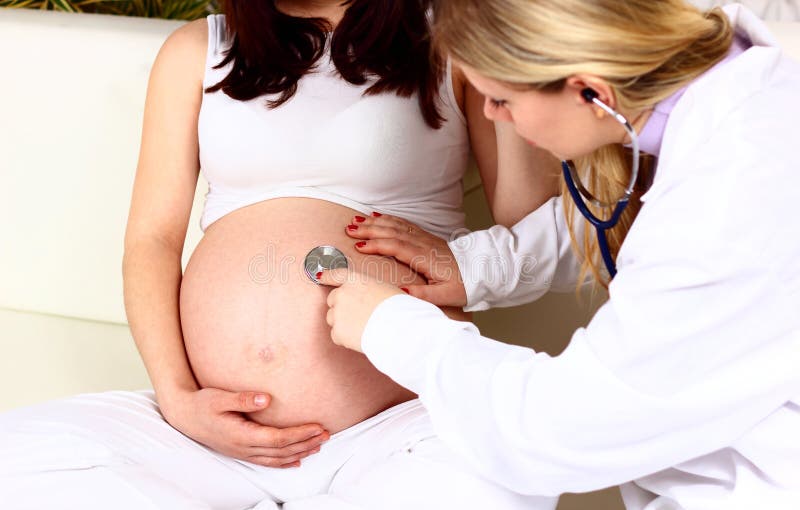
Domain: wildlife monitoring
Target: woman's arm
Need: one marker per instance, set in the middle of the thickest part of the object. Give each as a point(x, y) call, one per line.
point(517, 178)
point(163, 193)
point(527, 176)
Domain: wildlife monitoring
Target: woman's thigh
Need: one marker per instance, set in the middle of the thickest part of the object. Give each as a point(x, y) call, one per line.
point(83, 451)
point(429, 476)
point(406, 465)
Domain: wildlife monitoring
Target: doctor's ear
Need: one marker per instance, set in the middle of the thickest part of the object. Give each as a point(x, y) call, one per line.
point(585, 88)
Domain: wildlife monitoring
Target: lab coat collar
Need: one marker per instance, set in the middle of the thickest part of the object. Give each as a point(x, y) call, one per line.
point(710, 97)
point(748, 24)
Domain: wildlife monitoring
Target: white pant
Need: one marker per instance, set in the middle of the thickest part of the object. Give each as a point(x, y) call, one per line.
point(115, 450)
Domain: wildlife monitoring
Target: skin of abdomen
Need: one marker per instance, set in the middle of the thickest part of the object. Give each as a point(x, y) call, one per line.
point(253, 321)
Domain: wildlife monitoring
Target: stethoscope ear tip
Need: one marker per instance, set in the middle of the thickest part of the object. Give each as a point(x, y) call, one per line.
point(589, 94)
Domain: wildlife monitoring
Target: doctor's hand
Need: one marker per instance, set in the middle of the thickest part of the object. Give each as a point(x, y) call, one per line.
point(352, 303)
point(425, 253)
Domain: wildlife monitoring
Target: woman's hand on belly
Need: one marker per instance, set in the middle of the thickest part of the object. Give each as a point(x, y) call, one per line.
point(215, 418)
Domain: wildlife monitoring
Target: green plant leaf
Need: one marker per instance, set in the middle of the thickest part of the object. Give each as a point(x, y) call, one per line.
point(168, 9)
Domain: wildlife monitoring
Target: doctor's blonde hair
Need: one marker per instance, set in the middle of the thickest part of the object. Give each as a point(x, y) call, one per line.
point(645, 49)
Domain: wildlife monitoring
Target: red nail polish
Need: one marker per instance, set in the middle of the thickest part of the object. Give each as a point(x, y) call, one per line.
point(361, 244)
point(405, 290)
point(360, 219)
point(377, 214)
point(352, 228)
point(319, 275)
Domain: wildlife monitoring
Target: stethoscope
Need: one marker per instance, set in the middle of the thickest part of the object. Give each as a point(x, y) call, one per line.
point(580, 195)
point(323, 258)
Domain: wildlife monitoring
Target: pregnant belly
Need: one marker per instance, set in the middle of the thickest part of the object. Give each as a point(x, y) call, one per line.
point(252, 321)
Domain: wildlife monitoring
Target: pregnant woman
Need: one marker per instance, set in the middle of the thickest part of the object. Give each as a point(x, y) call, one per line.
point(302, 116)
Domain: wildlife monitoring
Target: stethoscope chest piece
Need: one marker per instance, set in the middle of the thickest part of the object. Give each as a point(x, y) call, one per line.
point(323, 258)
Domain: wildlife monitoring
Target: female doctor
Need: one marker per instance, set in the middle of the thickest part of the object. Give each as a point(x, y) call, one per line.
point(686, 383)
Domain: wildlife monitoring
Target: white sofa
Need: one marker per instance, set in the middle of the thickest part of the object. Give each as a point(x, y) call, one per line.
point(71, 105)
point(71, 102)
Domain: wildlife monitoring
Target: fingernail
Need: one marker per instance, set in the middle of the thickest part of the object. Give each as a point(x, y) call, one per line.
point(361, 244)
point(377, 214)
point(317, 433)
point(405, 290)
point(360, 219)
point(260, 400)
point(319, 275)
point(352, 227)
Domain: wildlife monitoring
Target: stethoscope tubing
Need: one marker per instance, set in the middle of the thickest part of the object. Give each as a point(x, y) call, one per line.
point(601, 226)
point(578, 195)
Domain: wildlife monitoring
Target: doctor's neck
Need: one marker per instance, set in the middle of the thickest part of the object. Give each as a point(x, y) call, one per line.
point(610, 131)
point(638, 121)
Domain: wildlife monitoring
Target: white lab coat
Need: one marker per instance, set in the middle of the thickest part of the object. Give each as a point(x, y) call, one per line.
point(687, 381)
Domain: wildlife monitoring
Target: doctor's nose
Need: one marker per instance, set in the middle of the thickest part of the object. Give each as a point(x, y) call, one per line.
point(496, 112)
point(489, 110)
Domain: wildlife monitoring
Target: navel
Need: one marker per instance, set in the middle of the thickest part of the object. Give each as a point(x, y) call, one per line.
point(266, 355)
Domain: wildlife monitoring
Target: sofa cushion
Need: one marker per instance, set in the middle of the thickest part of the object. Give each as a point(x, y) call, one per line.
point(72, 105)
point(46, 357)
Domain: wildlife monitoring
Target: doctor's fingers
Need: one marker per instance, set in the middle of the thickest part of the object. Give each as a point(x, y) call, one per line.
point(367, 232)
point(336, 308)
point(434, 260)
point(334, 277)
point(329, 317)
point(385, 226)
point(332, 296)
point(449, 294)
point(383, 220)
point(336, 322)
point(401, 249)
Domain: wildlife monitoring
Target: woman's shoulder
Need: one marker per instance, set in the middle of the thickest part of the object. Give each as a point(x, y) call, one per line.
point(191, 37)
point(193, 34)
point(186, 48)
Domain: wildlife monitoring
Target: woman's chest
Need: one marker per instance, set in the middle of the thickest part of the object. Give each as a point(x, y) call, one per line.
point(329, 133)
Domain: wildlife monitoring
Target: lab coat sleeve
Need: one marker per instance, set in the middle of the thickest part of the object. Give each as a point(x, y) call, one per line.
point(511, 266)
point(546, 425)
point(697, 344)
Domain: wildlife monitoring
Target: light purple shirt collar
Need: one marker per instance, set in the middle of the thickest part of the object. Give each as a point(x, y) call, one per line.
point(653, 131)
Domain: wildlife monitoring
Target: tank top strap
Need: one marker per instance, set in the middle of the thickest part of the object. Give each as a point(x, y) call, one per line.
point(447, 94)
point(217, 44)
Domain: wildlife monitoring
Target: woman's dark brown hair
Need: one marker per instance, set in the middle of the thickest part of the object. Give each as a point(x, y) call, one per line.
point(388, 40)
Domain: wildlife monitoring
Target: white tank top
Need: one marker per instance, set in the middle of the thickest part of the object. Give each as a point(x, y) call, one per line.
point(329, 141)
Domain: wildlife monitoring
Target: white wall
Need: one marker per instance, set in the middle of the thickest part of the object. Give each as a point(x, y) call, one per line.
point(772, 10)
